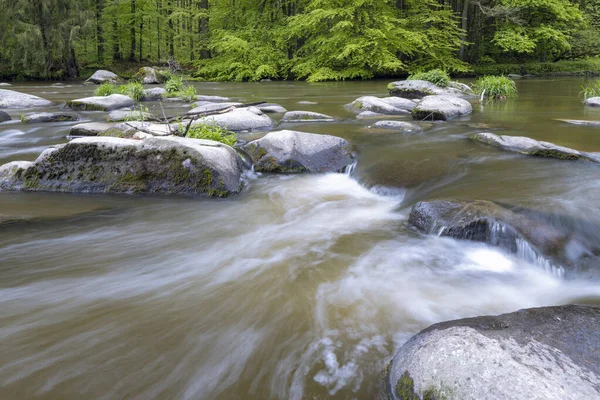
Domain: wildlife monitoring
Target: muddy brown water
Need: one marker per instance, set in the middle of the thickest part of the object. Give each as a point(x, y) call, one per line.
point(303, 286)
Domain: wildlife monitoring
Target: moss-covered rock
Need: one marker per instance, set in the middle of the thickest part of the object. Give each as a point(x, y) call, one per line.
point(293, 152)
point(169, 165)
point(149, 76)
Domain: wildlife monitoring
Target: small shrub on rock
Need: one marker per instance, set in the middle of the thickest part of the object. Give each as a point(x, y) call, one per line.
point(211, 131)
point(105, 89)
point(435, 76)
point(135, 90)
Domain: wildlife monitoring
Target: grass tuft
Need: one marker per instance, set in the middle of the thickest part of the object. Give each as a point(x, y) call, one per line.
point(211, 131)
point(495, 87)
point(106, 89)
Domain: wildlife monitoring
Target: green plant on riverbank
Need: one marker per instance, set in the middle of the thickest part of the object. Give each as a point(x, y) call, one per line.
point(435, 76)
point(105, 89)
point(591, 89)
point(589, 66)
point(495, 87)
point(175, 87)
point(135, 90)
point(211, 131)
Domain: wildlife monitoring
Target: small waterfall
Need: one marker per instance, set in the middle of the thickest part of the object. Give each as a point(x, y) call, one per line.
point(349, 169)
point(528, 253)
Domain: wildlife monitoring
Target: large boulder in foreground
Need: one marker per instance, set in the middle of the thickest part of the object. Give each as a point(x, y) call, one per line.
point(50, 117)
point(101, 103)
point(239, 119)
point(532, 147)
point(417, 89)
point(549, 353)
point(12, 99)
point(441, 107)
point(592, 102)
point(386, 105)
point(103, 76)
point(557, 242)
point(291, 152)
point(168, 165)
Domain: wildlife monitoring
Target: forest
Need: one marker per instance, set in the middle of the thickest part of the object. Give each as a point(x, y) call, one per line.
point(315, 40)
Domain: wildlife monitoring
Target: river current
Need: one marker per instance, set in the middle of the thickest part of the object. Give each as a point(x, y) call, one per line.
point(303, 286)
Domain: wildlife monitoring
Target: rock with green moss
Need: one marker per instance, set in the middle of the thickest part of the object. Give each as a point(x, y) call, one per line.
point(386, 105)
point(130, 115)
point(12, 99)
point(165, 165)
point(50, 117)
point(417, 89)
point(441, 108)
point(149, 76)
point(550, 353)
point(101, 103)
point(532, 147)
point(292, 152)
point(103, 76)
point(306, 116)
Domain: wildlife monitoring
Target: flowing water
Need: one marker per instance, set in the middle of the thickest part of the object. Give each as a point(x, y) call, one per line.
point(303, 286)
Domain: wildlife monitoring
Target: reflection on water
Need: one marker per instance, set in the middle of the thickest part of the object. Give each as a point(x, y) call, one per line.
point(300, 288)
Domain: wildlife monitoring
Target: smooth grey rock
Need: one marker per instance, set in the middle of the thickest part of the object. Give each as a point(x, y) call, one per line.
point(12, 99)
point(370, 115)
point(101, 103)
point(400, 126)
point(306, 116)
point(557, 242)
point(389, 105)
point(417, 89)
point(154, 94)
point(129, 115)
point(531, 147)
point(213, 99)
point(4, 117)
point(291, 152)
point(5, 84)
point(271, 108)
point(239, 119)
point(50, 117)
point(167, 165)
point(206, 107)
point(580, 122)
point(549, 353)
point(90, 128)
point(149, 76)
point(592, 102)
point(441, 107)
point(103, 76)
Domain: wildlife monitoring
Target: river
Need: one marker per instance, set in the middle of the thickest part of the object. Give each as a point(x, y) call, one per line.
point(303, 286)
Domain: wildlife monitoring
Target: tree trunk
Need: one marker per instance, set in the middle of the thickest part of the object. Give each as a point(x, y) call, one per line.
point(99, 32)
point(204, 53)
point(464, 26)
point(132, 32)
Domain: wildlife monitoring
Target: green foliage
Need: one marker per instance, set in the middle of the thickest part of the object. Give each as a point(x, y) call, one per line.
point(135, 90)
point(590, 66)
point(211, 131)
point(174, 84)
point(187, 94)
point(591, 89)
point(495, 87)
point(435, 76)
point(105, 89)
point(137, 114)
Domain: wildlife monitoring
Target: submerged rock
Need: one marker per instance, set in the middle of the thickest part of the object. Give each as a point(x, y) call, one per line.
point(291, 151)
point(214, 99)
point(552, 241)
point(550, 353)
point(580, 122)
point(592, 102)
point(532, 147)
point(149, 76)
point(399, 126)
point(271, 108)
point(388, 105)
point(239, 119)
point(4, 117)
point(103, 76)
point(50, 117)
point(101, 103)
point(306, 116)
point(417, 89)
point(168, 165)
point(90, 128)
point(154, 94)
point(12, 99)
point(441, 108)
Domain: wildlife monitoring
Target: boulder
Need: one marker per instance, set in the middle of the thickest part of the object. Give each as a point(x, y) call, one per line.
point(592, 102)
point(103, 76)
point(389, 105)
point(101, 103)
point(417, 89)
point(369, 115)
point(239, 119)
point(128, 130)
point(399, 126)
point(532, 147)
point(271, 108)
point(441, 108)
point(90, 128)
point(213, 99)
point(4, 116)
point(550, 353)
point(291, 151)
point(553, 241)
point(12, 99)
point(149, 76)
point(50, 117)
point(129, 115)
point(167, 165)
point(306, 116)
point(5, 84)
point(209, 106)
point(154, 94)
